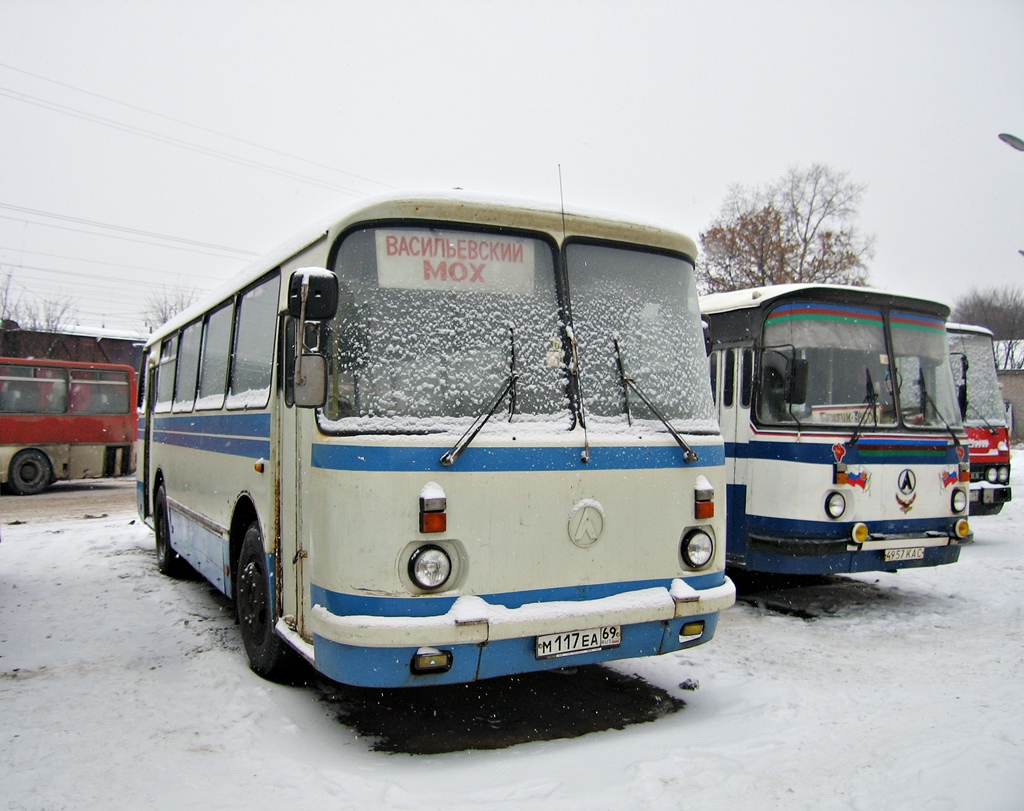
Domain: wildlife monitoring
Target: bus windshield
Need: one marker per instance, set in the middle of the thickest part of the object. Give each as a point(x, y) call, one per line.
point(843, 348)
point(984, 400)
point(432, 322)
point(924, 382)
point(849, 379)
point(647, 303)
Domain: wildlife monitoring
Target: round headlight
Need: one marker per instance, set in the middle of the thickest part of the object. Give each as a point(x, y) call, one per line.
point(1004, 474)
point(958, 501)
point(430, 567)
point(835, 505)
point(698, 549)
point(991, 474)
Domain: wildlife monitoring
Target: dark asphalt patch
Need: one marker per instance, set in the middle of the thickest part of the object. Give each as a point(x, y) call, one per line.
point(808, 596)
point(498, 713)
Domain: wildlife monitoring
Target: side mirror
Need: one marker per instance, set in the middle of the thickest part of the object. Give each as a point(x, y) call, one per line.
point(798, 381)
point(313, 294)
point(310, 389)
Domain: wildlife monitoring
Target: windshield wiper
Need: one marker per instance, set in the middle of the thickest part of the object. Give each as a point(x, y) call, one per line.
point(871, 401)
point(927, 400)
point(689, 455)
point(508, 389)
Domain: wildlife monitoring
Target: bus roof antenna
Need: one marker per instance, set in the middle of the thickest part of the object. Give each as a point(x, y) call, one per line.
point(561, 200)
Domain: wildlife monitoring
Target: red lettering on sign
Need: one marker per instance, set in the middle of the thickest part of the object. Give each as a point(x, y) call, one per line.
point(430, 273)
point(478, 272)
point(464, 249)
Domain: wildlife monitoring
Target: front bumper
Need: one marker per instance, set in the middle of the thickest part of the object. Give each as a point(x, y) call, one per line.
point(473, 620)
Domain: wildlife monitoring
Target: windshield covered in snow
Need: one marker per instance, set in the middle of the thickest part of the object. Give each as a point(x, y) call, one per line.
point(984, 399)
point(426, 323)
point(648, 303)
point(433, 323)
point(842, 352)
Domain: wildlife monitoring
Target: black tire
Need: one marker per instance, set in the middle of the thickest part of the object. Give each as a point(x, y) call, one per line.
point(29, 472)
point(168, 561)
point(269, 655)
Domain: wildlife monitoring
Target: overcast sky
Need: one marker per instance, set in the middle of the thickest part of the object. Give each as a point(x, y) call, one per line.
point(146, 145)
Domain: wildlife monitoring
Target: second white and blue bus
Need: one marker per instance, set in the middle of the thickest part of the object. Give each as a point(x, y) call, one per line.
point(845, 450)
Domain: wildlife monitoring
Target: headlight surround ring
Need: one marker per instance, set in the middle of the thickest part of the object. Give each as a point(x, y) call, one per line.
point(430, 567)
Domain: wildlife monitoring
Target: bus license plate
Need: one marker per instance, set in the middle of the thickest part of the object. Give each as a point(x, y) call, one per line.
point(914, 553)
point(571, 642)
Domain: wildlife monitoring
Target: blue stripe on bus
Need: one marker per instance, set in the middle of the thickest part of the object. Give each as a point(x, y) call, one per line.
point(840, 530)
point(344, 605)
point(231, 445)
point(251, 425)
point(483, 459)
point(894, 450)
point(232, 434)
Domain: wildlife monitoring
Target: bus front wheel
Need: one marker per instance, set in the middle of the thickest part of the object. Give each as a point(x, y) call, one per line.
point(29, 473)
point(168, 561)
point(269, 655)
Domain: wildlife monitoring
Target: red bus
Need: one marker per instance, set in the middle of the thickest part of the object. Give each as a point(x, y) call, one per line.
point(972, 360)
point(64, 420)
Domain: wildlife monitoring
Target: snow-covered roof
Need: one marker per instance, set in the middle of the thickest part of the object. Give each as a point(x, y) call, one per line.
point(757, 296)
point(953, 327)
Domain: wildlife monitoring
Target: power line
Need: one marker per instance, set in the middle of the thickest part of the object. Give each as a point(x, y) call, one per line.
point(123, 229)
point(166, 139)
point(193, 126)
point(122, 239)
point(98, 262)
point(106, 279)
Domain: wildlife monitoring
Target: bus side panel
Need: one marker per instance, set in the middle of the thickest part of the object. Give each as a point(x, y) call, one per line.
point(207, 552)
point(736, 524)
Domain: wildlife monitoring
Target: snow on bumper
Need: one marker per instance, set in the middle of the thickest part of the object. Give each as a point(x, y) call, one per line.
point(472, 620)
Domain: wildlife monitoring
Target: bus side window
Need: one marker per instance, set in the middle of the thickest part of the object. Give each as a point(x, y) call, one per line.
point(746, 376)
point(729, 379)
point(95, 391)
point(213, 368)
point(188, 367)
point(252, 362)
point(165, 374)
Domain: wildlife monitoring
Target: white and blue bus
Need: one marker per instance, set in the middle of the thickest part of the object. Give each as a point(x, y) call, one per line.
point(441, 438)
point(845, 450)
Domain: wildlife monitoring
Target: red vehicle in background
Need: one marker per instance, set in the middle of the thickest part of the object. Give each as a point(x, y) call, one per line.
point(972, 357)
point(64, 420)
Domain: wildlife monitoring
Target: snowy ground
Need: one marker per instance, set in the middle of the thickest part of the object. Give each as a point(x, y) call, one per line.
point(122, 689)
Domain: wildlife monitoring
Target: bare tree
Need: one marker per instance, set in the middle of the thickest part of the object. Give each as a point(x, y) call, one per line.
point(9, 309)
point(1002, 311)
point(798, 229)
point(163, 304)
point(48, 314)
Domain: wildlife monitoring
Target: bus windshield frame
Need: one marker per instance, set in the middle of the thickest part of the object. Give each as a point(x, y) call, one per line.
point(435, 320)
point(864, 366)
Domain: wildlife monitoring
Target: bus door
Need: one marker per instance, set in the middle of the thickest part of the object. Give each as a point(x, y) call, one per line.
point(735, 367)
point(291, 586)
point(147, 400)
point(297, 431)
